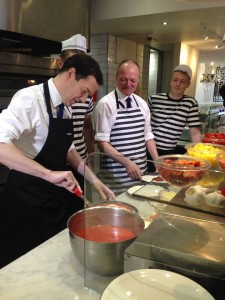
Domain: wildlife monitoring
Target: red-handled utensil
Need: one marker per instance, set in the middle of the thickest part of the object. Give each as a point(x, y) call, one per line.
point(79, 193)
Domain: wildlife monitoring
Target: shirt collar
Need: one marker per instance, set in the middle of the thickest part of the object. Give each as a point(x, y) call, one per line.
point(54, 94)
point(121, 96)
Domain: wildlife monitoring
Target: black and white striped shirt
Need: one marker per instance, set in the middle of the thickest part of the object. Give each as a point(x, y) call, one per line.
point(79, 112)
point(169, 117)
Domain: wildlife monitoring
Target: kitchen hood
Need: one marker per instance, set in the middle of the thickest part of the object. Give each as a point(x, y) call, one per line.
point(22, 43)
point(37, 27)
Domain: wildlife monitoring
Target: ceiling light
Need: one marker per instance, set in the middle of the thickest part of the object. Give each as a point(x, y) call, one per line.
point(205, 36)
point(219, 44)
point(212, 34)
point(164, 23)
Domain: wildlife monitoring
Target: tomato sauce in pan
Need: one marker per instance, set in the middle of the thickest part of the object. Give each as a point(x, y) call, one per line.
point(105, 233)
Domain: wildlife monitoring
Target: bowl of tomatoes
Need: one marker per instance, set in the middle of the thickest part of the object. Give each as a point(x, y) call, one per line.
point(214, 138)
point(181, 170)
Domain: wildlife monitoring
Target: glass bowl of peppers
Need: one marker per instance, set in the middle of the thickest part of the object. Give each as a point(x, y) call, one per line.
point(214, 138)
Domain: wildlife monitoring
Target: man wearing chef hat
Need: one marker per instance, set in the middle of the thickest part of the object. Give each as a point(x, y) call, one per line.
point(172, 111)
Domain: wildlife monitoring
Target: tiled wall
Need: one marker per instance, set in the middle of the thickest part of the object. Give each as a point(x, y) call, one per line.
point(153, 71)
point(103, 49)
point(143, 56)
point(112, 64)
point(99, 51)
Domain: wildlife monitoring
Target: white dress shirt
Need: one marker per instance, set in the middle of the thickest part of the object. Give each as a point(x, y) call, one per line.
point(106, 112)
point(25, 122)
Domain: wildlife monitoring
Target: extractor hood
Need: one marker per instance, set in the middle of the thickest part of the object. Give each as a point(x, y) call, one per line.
point(22, 43)
point(37, 27)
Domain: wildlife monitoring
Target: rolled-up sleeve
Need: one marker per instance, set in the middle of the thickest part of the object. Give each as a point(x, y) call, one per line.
point(16, 119)
point(104, 119)
point(7, 130)
point(148, 128)
point(25, 122)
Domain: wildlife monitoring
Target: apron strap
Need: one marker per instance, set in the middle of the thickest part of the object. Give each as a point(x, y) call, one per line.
point(118, 103)
point(47, 99)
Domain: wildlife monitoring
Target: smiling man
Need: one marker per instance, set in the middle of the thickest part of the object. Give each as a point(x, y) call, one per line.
point(123, 129)
point(35, 143)
point(172, 111)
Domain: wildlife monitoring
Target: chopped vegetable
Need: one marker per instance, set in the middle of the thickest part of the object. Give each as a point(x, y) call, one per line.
point(214, 138)
point(223, 191)
point(181, 172)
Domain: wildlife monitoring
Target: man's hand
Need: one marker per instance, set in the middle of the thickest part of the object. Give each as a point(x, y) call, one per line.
point(63, 179)
point(104, 192)
point(133, 170)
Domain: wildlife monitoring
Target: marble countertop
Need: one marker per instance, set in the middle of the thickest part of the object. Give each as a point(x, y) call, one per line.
point(51, 271)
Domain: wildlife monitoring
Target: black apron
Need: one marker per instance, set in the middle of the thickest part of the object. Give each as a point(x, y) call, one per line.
point(32, 209)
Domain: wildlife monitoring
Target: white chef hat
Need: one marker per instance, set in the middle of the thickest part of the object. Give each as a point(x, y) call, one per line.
point(75, 42)
point(185, 69)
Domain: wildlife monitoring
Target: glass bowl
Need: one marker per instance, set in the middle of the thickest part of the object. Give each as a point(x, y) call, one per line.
point(181, 170)
point(206, 151)
point(212, 179)
point(214, 138)
point(221, 160)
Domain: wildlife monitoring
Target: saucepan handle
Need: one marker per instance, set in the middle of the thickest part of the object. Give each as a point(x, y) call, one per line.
point(79, 193)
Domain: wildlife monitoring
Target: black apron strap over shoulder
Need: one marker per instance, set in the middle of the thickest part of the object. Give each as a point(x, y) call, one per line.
point(118, 103)
point(36, 209)
point(135, 100)
point(48, 98)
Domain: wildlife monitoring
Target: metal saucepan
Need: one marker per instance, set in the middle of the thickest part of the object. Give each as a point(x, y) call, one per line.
point(105, 257)
point(119, 204)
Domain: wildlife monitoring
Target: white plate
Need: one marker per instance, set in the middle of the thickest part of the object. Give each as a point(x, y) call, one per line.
point(148, 190)
point(153, 284)
point(134, 189)
point(148, 178)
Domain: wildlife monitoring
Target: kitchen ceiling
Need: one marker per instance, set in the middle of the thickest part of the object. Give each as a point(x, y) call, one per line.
point(186, 25)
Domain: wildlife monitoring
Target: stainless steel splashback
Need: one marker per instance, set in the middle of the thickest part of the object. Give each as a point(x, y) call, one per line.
point(51, 19)
point(18, 71)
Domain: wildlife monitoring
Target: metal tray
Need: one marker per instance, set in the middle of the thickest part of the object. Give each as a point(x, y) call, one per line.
point(178, 201)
